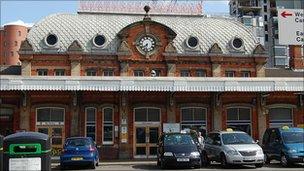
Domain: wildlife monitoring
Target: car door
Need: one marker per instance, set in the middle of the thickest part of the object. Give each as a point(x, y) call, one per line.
point(274, 144)
point(208, 146)
point(217, 146)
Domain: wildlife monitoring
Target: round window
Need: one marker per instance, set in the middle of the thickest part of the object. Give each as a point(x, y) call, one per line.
point(192, 42)
point(99, 40)
point(237, 43)
point(51, 39)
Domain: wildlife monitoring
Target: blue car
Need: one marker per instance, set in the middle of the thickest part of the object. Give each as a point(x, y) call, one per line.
point(284, 144)
point(79, 151)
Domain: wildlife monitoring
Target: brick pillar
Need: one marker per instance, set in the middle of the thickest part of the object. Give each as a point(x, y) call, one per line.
point(296, 58)
point(25, 111)
point(216, 70)
point(125, 152)
point(171, 108)
point(75, 64)
point(260, 70)
point(26, 68)
point(124, 69)
point(216, 112)
point(171, 70)
point(75, 109)
point(261, 112)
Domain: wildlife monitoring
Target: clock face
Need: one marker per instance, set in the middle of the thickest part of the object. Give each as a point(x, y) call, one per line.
point(147, 44)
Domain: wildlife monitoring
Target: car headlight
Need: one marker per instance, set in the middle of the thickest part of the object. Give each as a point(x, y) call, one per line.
point(232, 152)
point(195, 154)
point(292, 151)
point(168, 154)
point(260, 152)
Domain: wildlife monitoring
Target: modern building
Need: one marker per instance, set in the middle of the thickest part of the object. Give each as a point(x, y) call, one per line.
point(261, 17)
point(11, 36)
point(119, 78)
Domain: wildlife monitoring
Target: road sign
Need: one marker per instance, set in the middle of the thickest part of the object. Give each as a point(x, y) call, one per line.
point(291, 26)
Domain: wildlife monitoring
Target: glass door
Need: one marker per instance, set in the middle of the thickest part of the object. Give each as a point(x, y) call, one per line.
point(146, 141)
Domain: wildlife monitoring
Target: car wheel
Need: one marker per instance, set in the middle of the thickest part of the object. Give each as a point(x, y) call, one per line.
point(284, 161)
point(224, 163)
point(259, 165)
point(205, 160)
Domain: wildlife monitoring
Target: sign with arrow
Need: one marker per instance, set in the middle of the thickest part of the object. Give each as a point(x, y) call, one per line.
point(291, 26)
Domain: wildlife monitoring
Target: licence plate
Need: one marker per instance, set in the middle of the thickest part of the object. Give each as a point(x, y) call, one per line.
point(183, 159)
point(76, 158)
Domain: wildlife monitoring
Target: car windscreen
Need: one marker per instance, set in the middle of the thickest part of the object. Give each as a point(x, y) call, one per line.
point(237, 138)
point(78, 142)
point(293, 137)
point(178, 139)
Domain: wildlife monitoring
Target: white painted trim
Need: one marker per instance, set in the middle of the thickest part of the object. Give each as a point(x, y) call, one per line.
point(165, 84)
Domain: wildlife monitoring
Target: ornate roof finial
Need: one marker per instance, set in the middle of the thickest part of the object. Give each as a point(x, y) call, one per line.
point(147, 9)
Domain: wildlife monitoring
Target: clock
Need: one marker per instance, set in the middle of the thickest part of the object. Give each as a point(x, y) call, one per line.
point(146, 44)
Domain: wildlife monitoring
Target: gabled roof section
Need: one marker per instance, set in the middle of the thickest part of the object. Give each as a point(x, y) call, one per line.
point(215, 49)
point(25, 47)
point(259, 50)
point(75, 47)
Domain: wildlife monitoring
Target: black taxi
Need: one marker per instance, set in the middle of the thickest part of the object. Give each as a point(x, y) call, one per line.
point(178, 149)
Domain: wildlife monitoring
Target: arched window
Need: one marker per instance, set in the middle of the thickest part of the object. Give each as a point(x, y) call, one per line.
point(194, 118)
point(108, 125)
point(90, 122)
point(239, 118)
point(280, 116)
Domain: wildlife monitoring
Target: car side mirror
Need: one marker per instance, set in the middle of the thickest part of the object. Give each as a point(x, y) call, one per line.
point(257, 141)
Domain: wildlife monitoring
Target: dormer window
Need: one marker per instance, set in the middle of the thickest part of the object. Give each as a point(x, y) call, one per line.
point(192, 42)
point(237, 43)
point(51, 40)
point(99, 40)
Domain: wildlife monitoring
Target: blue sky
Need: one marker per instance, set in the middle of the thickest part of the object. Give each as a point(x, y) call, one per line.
point(33, 11)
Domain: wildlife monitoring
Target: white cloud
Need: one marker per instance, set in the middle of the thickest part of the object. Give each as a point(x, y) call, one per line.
point(19, 22)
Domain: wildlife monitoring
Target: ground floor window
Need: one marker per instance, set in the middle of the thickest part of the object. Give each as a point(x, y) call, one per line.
point(279, 117)
point(194, 118)
point(147, 114)
point(91, 122)
point(108, 125)
point(239, 118)
point(50, 120)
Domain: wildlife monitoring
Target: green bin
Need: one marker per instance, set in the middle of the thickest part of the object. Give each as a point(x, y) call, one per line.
point(27, 151)
point(1, 153)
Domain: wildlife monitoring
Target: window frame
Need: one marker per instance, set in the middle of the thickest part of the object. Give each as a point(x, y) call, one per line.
point(240, 122)
point(50, 122)
point(108, 124)
point(108, 71)
point(91, 70)
point(146, 108)
point(204, 72)
point(91, 124)
point(183, 71)
point(42, 70)
point(56, 70)
point(280, 122)
point(243, 74)
point(193, 122)
point(138, 73)
point(229, 72)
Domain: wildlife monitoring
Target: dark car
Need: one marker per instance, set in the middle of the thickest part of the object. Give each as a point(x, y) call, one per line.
point(79, 151)
point(178, 149)
point(284, 144)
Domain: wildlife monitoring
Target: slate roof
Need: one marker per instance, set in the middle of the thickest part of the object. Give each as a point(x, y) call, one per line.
point(84, 26)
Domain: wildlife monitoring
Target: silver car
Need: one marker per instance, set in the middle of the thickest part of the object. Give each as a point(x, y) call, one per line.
point(232, 147)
